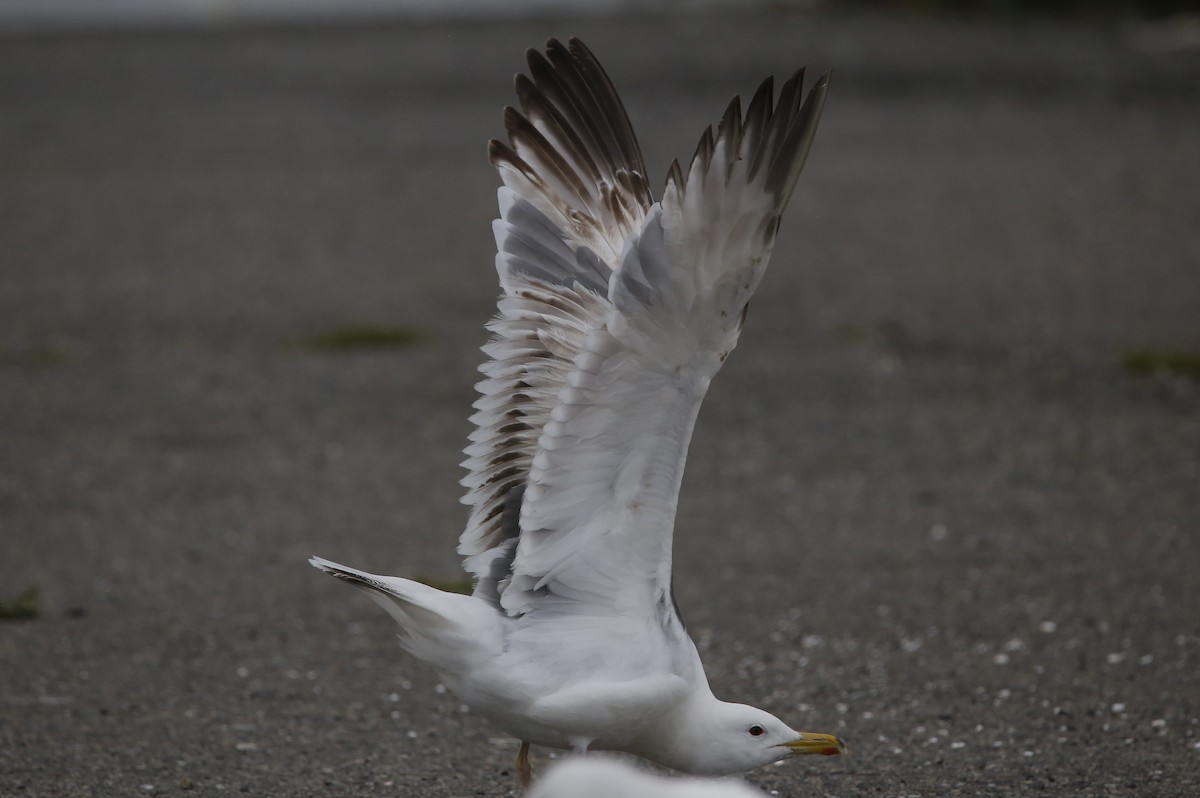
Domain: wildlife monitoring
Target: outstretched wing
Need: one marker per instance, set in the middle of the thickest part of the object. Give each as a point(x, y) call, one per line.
point(588, 518)
point(574, 191)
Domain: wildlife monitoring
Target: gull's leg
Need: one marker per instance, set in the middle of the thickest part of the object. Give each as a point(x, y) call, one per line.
point(524, 772)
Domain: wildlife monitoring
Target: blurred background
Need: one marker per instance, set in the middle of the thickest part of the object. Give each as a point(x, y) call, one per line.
point(209, 11)
point(943, 500)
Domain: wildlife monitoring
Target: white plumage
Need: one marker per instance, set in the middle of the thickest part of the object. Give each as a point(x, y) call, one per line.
point(604, 777)
point(616, 313)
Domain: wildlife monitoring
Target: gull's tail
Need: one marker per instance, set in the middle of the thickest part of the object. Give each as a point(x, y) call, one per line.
point(444, 629)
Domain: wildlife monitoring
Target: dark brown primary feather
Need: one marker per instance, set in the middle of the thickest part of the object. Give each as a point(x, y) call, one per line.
point(573, 140)
point(772, 141)
point(613, 113)
point(792, 153)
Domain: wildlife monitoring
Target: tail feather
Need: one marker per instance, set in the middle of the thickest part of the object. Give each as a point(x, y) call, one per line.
point(354, 576)
point(435, 626)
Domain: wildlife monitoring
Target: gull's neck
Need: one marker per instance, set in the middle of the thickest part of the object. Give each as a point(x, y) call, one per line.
point(684, 738)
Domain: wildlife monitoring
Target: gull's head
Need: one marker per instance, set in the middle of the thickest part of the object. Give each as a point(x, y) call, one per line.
point(719, 739)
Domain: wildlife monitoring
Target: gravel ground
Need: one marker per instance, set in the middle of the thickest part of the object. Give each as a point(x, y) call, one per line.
point(926, 506)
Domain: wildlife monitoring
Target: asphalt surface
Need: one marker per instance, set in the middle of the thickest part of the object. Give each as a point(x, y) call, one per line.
point(926, 507)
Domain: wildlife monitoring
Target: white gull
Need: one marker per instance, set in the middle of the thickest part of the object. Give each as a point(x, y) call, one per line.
point(616, 313)
point(606, 777)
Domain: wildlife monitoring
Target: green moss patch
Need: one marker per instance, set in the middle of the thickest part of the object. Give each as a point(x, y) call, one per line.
point(886, 333)
point(1152, 362)
point(32, 357)
point(22, 607)
point(361, 338)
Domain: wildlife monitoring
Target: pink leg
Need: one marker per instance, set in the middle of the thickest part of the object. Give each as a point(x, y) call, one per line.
point(524, 771)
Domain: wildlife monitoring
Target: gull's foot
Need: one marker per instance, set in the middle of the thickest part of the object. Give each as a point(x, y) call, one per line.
point(524, 771)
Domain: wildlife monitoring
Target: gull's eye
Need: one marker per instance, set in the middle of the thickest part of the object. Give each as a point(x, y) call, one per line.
point(756, 731)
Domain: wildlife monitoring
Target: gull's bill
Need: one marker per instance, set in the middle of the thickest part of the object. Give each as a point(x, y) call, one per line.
point(816, 743)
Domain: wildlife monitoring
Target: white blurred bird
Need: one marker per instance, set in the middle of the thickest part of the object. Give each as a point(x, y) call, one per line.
point(616, 313)
point(605, 777)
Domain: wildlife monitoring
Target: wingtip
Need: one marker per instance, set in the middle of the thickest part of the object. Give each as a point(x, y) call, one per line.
point(822, 83)
point(533, 58)
point(579, 50)
point(495, 150)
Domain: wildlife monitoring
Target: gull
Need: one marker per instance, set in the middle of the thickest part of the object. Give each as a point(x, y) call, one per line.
point(616, 312)
point(606, 777)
